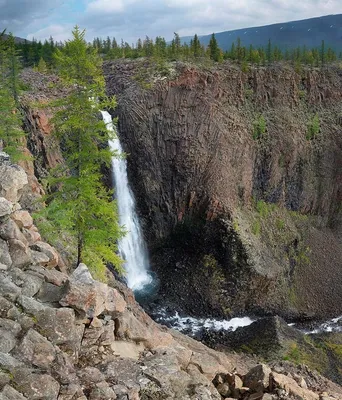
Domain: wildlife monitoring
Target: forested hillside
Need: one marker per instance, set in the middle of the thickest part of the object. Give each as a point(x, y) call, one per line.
point(287, 36)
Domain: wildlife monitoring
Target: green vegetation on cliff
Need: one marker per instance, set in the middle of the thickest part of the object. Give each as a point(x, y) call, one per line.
point(78, 201)
point(11, 134)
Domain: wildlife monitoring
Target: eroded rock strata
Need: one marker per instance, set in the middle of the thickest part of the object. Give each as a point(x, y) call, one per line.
point(238, 190)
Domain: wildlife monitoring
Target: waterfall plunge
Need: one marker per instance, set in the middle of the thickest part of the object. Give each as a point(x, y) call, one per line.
point(131, 247)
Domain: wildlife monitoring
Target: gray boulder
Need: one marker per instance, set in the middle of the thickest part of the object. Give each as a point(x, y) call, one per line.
point(5, 257)
point(13, 180)
point(5, 207)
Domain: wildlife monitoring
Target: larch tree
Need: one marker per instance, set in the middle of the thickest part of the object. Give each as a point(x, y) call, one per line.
point(12, 136)
point(79, 203)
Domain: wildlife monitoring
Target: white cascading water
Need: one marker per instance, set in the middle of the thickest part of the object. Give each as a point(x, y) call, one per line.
point(131, 247)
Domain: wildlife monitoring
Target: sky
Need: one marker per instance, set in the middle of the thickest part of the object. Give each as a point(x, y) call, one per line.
point(131, 19)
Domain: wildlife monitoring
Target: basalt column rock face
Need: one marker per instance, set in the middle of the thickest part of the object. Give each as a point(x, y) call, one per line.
point(208, 152)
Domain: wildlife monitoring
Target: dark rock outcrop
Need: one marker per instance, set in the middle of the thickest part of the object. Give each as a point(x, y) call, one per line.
point(197, 173)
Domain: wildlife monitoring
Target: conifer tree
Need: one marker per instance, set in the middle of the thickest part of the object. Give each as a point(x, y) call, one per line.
point(82, 205)
point(196, 47)
point(11, 134)
point(214, 49)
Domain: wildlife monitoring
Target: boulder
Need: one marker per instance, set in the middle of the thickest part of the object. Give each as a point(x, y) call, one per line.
point(20, 253)
point(36, 350)
point(8, 289)
point(49, 251)
point(267, 337)
point(291, 387)
point(31, 236)
point(22, 218)
point(13, 180)
point(10, 230)
point(9, 331)
point(9, 393)
point(5, 207)
point(35, 385)
point(258, 378)
point(59, 326)
point(9, 363)
point(91, 298)
point(5, 257)
point(102, 391)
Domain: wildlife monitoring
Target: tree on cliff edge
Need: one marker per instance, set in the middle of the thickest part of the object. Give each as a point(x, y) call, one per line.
point(82, 205)
point(12, 137)
point(214, 50)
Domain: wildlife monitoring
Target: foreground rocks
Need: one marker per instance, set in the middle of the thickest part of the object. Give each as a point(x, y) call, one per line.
point(70, 337)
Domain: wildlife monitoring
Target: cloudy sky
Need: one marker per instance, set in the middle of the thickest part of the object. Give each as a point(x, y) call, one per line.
point(130, 19)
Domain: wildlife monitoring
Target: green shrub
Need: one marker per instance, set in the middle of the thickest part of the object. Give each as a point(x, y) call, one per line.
point(259, 127)
point(314, 128)
point(256, 227)
point(263, 208)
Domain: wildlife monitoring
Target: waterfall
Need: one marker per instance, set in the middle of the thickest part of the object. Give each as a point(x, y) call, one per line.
point(131, 247)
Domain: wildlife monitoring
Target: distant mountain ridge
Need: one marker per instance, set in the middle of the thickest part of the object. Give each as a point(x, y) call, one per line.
point(17, 39)
point(287, 35)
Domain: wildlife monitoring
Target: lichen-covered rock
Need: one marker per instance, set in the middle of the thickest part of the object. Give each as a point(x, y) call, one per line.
point(36, 349)
point(7, 288)
point(49, 251)
point(5, 257)
point(9, 393)
point(5, 207)
point(258, 378)
point(22, 218)
point(291, 387)
point(13, 180)
point(60, 327)
point(10, 230)
point(92, 298)
point(35, 385)
point(20, 253)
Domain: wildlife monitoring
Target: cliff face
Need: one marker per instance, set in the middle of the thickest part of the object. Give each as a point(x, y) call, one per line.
point(204, 169)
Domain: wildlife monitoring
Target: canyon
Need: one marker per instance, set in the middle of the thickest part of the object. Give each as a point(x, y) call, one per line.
point(240, 216)
point(236, 221)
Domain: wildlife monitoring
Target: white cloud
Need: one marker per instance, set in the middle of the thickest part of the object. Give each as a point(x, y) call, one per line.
point(107, 6)
point(58, 32)
point(130, 19)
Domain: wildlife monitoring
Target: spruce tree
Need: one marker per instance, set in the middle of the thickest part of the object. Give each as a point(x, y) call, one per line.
point(214, 49)
point(82, 205)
